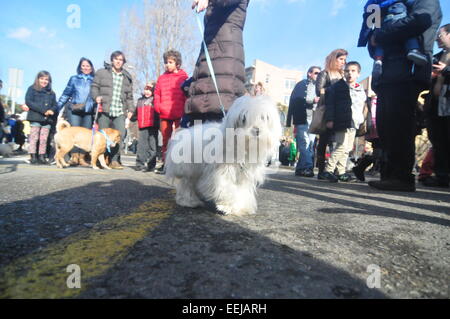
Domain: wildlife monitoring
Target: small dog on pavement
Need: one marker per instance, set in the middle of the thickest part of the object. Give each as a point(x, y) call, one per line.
point(68, 137)
point(6, 150)
point(230, 183)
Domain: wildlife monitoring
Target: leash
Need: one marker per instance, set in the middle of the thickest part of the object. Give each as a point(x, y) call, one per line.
point(210, 66)
point(95, 125)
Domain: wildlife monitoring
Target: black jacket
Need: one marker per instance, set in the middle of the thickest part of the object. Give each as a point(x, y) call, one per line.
point(298, 105)
point(224, 25)
point(422, 21)
point(39, 103)
point(324, 81)
point(339, 106)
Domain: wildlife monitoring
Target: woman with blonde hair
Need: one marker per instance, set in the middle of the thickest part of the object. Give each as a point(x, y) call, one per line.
point(333, 72)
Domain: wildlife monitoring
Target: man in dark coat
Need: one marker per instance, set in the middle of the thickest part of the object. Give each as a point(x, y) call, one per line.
point(112, 88)
point(224, 25)
point(300, 111)
point(398, 90)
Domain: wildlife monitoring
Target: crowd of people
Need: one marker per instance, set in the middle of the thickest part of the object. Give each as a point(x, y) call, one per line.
point(328, 110)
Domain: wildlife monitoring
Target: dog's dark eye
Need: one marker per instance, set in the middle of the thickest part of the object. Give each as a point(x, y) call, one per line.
point(244, 119)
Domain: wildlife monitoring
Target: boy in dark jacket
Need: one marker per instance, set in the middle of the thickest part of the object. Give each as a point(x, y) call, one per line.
point(345, 101)
point(148, 123)
point(170, 98)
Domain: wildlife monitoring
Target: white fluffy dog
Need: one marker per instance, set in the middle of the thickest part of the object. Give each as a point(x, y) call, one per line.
point(225, 162)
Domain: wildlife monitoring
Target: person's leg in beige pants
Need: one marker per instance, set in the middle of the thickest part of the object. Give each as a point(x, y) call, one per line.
point(344, 144)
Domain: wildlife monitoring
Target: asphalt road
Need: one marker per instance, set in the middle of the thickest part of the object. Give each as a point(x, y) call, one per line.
point(310, 239)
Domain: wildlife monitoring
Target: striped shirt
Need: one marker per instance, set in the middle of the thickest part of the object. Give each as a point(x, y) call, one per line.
point(116, 101)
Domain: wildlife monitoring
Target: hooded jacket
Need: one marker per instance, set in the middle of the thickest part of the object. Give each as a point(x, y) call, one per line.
point(103, 86)
point(169, 96)
point(224, 24)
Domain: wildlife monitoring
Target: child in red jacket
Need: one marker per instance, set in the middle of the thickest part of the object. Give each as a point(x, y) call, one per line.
point(170, 99)
point(148, 123)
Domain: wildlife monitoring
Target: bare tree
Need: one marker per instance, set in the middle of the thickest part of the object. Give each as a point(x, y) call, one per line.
point(153, 27)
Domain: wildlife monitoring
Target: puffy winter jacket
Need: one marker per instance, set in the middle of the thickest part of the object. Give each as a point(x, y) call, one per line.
point(224, 24)
point(39, 102)
point(169, 97)
point(78, 90)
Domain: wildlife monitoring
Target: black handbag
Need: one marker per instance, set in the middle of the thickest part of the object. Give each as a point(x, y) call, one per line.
point(79, 107)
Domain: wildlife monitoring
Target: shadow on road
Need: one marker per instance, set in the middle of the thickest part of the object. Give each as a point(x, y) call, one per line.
point(190, 254)
point(322, 191)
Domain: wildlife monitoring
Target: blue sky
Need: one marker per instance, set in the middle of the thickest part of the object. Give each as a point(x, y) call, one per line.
point(287, 33)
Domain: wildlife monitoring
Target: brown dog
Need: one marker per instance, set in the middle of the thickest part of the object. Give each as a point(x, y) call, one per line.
point(67, 137)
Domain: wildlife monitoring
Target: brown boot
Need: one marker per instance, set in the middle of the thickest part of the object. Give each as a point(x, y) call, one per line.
point(116, 165)
point(82, 161)
point(75, 159)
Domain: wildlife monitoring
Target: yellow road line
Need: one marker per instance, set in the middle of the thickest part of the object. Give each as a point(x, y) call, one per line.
point(43, 274)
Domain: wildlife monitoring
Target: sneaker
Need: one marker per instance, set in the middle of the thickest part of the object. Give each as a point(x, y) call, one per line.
point(161, 170)
point(417, 57)
point(330, 177)
point(346, 178)
point(139, 168)
point(300, 173)
point(308, 173)
point(393, 185)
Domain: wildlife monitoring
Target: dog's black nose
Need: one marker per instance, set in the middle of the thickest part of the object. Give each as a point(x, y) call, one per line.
point(256, 131)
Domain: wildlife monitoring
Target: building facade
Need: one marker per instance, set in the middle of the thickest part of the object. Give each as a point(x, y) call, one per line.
point(278, 83)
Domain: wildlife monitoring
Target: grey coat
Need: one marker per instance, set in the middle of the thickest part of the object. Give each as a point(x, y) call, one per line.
point(102, 86)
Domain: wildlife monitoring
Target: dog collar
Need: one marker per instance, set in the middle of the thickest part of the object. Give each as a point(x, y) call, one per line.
point(108, 141)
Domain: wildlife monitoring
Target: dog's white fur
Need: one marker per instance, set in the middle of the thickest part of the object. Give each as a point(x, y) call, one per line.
point(231, 185)
point(6, 150)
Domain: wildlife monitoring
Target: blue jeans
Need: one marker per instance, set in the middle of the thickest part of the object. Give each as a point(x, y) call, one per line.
point(80, 120)
point(118, 123)
point(305, 145)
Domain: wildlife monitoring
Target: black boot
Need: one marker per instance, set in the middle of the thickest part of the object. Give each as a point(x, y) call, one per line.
point(359, 170)
point(42, 160)
point(33, 160)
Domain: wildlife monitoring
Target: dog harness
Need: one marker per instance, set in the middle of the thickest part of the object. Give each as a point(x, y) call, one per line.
point(108, 141)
